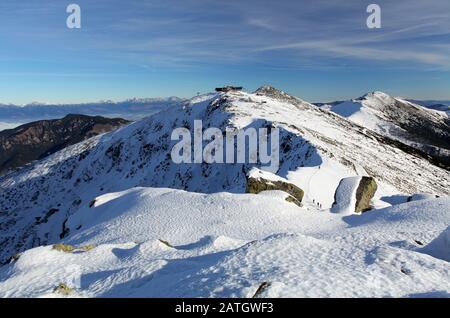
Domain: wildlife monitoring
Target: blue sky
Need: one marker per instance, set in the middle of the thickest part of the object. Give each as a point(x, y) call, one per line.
point(318, 50)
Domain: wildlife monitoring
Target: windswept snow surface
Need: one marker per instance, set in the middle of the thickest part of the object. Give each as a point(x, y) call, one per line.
point(440, 247)
point(170, 243)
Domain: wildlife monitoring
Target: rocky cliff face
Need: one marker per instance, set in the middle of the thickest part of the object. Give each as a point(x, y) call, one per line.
point(39, 139)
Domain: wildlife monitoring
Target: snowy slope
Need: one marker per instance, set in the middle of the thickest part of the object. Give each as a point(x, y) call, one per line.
point(441, 105)
point(440, 247)
point(399, 119)
point(166, 229)
point(169, 243)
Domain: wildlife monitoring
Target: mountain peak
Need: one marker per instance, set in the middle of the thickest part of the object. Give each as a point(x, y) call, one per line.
point(275, 93)
point(268, 90)
point(375, 94)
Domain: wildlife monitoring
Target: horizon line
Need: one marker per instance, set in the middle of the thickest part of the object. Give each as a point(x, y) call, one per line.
point(154, 98)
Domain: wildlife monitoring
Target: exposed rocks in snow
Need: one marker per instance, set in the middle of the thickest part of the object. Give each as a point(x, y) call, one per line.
point(259, 181)
point(421, 196)
point(15, 257)
point(226, 89)
point(364, 194)
point(261, 289)
point(166, 243)
point(48, 214)
point(275, 93)
point(92, 203)
point(63, 289)
point(66, 248)
point(354, 194)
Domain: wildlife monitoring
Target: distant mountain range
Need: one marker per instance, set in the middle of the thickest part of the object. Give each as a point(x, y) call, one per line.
point(131, 109)
point(442, 105)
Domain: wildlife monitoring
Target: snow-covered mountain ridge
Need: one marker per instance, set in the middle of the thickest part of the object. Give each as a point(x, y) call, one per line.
point(315, 145)
point(122, 193)
point(425, 129)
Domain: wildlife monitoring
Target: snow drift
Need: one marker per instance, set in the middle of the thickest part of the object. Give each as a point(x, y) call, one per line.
point(440, 247)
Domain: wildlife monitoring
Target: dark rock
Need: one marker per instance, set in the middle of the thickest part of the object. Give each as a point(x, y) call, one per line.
point(229, 88)
point(257, 185)
point(261, 289)
point(365, 192)
point(37, 140)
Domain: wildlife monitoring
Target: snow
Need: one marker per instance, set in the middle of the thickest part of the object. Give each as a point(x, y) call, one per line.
point(421, 196)
point(357, 113)
point(398, 119)
point(345, 197)
point(257, 174)
point(155, 213)
point(226, 245)
point(440, 247)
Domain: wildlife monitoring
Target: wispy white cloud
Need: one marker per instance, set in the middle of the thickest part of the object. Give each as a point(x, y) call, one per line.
point(262, 23)
point(352, 49)
point(187, 32)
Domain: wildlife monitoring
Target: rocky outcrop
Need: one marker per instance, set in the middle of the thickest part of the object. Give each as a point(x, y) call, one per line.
point(421, 196)
point(262, 289)
point(364, 194)
point(226, 89)
point(353, 195)
point(258, 181)
point(275, 93)
point(39, 139)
